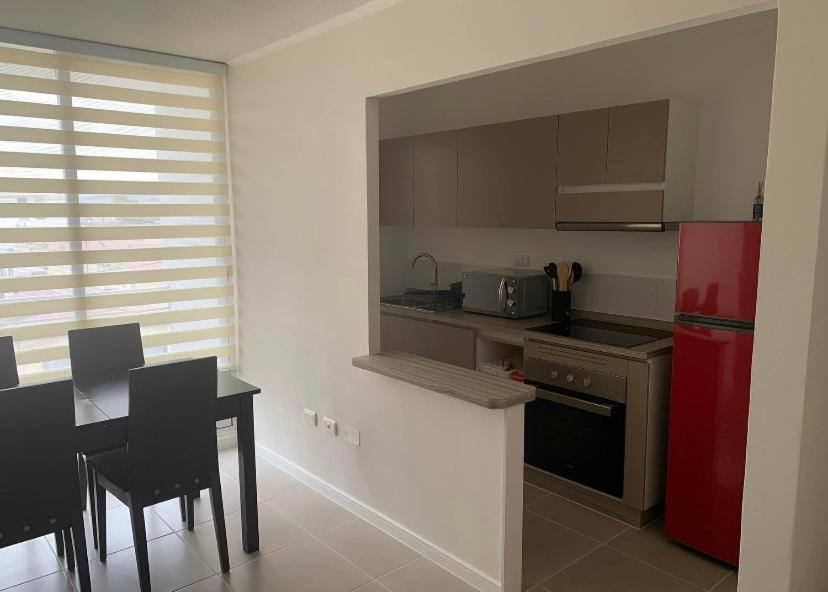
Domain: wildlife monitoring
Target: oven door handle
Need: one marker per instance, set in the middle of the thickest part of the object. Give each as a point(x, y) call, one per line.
point(583, 405)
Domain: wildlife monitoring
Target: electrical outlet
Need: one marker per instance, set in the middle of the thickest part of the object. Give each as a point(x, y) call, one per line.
point(521, 260)
point(351, 435)
point(310, 417)
point(329, 425)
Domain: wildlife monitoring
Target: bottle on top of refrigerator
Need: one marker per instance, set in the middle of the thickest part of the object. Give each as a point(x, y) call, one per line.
point(759, 202)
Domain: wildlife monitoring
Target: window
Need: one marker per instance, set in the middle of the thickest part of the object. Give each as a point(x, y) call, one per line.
point(114, 207)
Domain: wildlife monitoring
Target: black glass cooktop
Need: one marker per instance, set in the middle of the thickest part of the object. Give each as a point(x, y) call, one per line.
point(606, 333)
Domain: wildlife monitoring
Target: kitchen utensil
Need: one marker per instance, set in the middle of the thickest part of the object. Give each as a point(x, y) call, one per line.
point(577, 272)
point(565, 276)
point(552, 271)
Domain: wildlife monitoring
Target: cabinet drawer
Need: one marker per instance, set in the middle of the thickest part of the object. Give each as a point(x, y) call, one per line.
point(444, 343)
point(577, 358)
point(610, 206)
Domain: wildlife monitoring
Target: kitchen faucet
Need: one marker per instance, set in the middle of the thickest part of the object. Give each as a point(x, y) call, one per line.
point(434, 284)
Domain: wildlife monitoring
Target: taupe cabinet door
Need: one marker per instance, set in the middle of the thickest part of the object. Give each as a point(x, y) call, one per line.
point(435, 179)
point(480, 176)
point(530, 154)
point(405, 335)
point(396, 182)
point(451, 345)
point(611, 206)
point(582, 147)
point(637, 145)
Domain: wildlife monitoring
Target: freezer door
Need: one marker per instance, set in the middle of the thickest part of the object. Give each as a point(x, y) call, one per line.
point(708, 437)
point(718, 268)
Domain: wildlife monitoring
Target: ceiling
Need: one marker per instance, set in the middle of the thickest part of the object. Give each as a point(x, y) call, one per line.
point(218, 30)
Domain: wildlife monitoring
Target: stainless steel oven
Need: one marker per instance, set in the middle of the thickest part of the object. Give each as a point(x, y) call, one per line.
point(576, 427)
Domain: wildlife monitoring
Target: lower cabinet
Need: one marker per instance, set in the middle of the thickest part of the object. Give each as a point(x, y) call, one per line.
point(444, 343)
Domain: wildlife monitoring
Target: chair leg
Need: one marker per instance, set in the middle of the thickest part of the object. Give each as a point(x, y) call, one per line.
point(59, 543)
point(79, 538)
point(139, 535)
point(82, 478)
point(70, 550)
point(190, 513)
point(100, 510)
point(182, 504)
point(93, 509)
point(218, 522)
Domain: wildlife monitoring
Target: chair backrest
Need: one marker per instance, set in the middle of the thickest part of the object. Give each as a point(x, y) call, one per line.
point(172, 428)
point(8, 363)
point(38, 466)
point(104, 353)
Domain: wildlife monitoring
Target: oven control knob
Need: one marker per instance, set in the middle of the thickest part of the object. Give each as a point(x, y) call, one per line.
point(570, 378)
point(587, 381)
point(553, 375)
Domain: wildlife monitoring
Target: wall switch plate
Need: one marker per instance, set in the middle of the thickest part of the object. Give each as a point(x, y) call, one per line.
point(521, 260)
point(329, 425)
point(351, 435)
point(310, 417)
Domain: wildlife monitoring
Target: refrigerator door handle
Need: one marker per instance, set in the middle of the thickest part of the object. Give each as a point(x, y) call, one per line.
point(714, 322)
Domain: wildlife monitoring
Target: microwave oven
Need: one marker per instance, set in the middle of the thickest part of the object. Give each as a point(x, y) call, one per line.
point(512, 294)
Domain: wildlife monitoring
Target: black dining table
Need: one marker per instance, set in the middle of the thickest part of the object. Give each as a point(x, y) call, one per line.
point(101, 417)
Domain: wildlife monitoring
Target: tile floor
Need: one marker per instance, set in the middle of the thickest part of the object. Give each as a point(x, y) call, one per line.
point(310, 544)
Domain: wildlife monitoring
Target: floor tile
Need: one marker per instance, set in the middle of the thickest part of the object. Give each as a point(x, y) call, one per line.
point(26, 561)
point(532, 494)
point(728, 585)
point(170, 510)
point(57, 582)
point(275, 532)
point(372, 587)
point(652, 546)
point(608, 570)
point(119, 530)
point(272, 482)
point(312, 511)
point(229, 461)
point(308, 566)
point(577, 517)
point(173, 565)
point(423, 576)
point(213, 584)
point(368, 548)
point(549, 547)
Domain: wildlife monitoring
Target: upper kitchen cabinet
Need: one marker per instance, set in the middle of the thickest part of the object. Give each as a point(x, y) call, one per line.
point(637, 143)
point(435, 179)
point(480, 176)
point(530, 153)
point(396, 182)
point(582, 147)
point(649, 168)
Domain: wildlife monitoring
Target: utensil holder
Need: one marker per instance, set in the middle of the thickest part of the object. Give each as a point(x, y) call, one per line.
point(560, 306)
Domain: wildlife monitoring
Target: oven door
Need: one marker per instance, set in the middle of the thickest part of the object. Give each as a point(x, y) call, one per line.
point(577, 437)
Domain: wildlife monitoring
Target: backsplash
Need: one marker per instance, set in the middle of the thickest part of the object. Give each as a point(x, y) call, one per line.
point(624, 273)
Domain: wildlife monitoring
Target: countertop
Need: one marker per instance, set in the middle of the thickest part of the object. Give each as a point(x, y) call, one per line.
point(515, 331)
point(475, 387)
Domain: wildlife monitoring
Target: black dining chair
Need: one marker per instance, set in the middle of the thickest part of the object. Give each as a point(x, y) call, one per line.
point(99, 355)
point(171, 451)
point(39, 489)
point(10, 379)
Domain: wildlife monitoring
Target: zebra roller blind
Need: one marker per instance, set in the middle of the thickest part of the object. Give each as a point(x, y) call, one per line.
point(114, 207)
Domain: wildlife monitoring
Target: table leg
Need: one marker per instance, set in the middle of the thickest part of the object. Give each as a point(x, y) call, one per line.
point(247, 476)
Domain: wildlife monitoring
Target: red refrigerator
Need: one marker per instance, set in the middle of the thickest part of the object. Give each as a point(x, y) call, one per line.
point(718, 264)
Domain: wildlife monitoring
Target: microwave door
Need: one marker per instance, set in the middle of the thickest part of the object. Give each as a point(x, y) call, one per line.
point(484, 293)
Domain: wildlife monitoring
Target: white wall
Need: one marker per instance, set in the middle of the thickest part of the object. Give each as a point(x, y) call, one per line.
point(784, 527)
point(726, 68)
point(307, 247)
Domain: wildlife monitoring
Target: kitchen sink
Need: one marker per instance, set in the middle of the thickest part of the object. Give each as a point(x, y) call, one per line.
point(430, 300)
